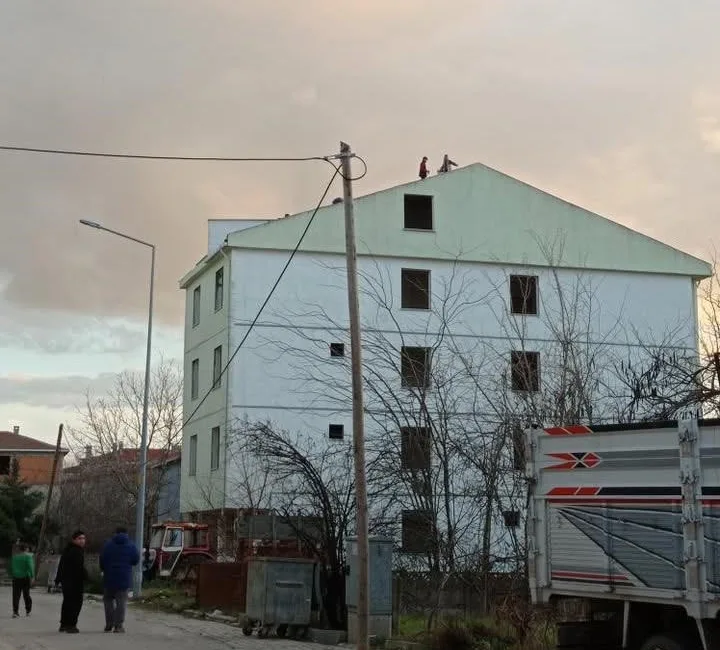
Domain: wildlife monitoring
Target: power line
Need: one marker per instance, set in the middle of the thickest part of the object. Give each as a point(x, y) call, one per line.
point(336, 173)
point(137, 156)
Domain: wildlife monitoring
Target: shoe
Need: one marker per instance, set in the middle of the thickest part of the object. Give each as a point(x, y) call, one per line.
point(72, 630)
point(62, 629)
point(27, 613)
point(120, 630)
point(108, 628)
point(16, 615)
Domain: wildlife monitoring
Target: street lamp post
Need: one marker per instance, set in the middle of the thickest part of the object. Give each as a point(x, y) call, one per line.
point(140, 507)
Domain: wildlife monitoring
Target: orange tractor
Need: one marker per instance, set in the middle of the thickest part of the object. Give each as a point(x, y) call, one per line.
point(176, 550)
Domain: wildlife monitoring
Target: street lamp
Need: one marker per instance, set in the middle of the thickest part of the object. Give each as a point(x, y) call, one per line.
point(140, 508)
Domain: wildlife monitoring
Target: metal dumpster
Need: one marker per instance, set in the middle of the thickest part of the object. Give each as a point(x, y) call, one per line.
point(279, 595)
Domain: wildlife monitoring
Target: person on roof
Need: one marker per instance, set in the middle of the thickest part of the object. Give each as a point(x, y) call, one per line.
point(447, 165)
point(423, 168)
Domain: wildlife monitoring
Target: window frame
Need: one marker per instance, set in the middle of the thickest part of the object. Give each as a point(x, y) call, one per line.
point(9, 464)
point(217, 368)
point(417, 290)
point(194, 378)
point(412, 382)
point(214, 448)
point(196, 305)
point(336, 427)
point(192, 455)
point(420, 538)
point(515, 383)
point(408, 199)
point(220, 288)
point(410, 450)
point(520, 307)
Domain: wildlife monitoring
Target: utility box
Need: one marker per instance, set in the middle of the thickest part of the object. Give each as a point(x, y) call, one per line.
point(279, 594)
point(379, 586)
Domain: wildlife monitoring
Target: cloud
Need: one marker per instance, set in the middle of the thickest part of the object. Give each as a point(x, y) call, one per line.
point(590, 101)
point(62, 392)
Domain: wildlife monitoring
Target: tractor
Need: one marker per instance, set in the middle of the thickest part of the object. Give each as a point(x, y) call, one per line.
point(176, 550)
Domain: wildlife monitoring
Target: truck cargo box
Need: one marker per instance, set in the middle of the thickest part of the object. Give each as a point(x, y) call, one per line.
point(628, 513)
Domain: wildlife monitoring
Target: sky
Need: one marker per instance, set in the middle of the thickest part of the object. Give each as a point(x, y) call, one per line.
point(614, 106)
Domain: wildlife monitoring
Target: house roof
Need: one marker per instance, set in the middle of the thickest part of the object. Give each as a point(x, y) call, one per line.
point(481, 215)
point(128, 456)
point(14, 442)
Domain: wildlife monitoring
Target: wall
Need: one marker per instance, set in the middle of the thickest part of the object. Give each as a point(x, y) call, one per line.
point(205, 489)
point(168, 505)
point(283, 372)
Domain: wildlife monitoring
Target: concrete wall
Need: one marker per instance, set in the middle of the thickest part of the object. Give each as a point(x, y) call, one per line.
point(204, 490)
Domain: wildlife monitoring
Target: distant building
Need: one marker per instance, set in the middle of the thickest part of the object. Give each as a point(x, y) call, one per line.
point(35, 458)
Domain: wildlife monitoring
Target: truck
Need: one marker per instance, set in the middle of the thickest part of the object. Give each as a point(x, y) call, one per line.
point(623, 533)
point(176, 550)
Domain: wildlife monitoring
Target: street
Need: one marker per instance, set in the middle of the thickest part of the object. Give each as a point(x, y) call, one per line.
point(147, 630)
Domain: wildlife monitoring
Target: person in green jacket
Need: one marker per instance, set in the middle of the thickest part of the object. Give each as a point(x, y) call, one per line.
point(22, 572)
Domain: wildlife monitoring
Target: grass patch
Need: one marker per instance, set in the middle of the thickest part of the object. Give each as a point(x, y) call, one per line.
point(165, 597)
point(489, 633)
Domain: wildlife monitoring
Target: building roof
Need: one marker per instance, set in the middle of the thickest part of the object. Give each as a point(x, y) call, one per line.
point(480, 215)
point(14, 442)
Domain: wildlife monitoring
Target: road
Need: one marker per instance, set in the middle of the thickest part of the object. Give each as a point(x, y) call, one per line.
point(146, 630)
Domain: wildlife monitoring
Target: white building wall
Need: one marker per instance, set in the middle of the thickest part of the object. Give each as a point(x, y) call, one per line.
point(271, 377)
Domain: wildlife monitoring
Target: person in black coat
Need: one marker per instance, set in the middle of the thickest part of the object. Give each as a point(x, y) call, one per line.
point(71, 575)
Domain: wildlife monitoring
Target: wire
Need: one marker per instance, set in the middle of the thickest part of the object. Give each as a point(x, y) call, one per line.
point(135, 156)
point(267, 298)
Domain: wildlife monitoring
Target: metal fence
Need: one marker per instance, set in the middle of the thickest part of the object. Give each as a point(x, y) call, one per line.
point(222, 585)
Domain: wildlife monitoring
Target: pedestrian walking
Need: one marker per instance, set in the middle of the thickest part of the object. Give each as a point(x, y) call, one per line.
point(22, 572)
point(117, 560)
point(71, 575)
point(423, 168)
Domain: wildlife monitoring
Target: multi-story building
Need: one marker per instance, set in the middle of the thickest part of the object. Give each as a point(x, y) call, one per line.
point(486, 304)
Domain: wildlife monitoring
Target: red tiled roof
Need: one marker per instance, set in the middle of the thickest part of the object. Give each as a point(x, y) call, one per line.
point(10, 441)
point(129, 456)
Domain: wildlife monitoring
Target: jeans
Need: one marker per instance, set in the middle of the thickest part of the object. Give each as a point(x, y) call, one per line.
point(21, 586)
point(115, 601)
point(71, 605)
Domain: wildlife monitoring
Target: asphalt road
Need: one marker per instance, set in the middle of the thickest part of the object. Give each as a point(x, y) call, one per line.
point(145, 630)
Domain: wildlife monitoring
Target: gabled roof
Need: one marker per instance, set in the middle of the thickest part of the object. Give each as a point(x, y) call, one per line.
point(14, 442)
point(481, 215)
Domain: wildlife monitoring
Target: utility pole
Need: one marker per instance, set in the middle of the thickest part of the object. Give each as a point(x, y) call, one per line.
point(363, 548)
point(43, 527)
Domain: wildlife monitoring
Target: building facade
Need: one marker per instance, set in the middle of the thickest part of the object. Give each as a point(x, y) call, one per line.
point(34, 457)
point(486, 304)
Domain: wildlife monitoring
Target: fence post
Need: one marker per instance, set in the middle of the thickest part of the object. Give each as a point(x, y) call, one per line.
point(396, 588)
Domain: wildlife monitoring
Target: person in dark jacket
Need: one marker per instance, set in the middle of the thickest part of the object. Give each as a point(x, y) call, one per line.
point(71, 574)
point(117, 560)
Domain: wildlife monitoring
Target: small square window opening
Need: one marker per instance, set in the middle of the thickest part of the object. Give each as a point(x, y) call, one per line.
point(525, 371)
point(418, 212)
point(524, 294)
point(415, 289)
point(336, 431)
point(337, 349)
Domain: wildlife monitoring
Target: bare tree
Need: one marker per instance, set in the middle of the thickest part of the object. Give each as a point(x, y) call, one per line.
point(671, 377)
point(313, 492)
point(106, 444)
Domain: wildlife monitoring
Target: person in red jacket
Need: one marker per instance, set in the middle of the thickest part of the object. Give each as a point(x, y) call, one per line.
point(423, 168)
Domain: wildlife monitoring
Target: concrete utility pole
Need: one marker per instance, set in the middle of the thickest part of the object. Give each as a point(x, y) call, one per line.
point(43, 527)
point(363, 549)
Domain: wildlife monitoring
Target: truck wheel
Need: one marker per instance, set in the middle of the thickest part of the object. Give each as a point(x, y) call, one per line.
point(662, 642)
